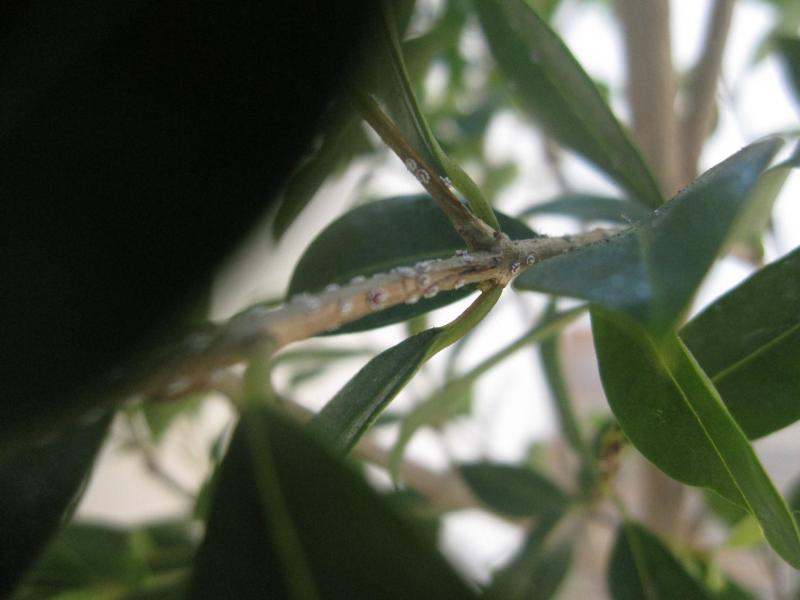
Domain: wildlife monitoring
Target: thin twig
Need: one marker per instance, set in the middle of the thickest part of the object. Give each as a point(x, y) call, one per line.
point(701, 90)
point(477, 234)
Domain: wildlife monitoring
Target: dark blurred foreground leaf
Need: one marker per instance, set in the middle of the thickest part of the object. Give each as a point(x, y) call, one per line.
point(379, 236)
point(671, 412)
point(555, 89)
point(38, 489)
point(748, 343)
point(652, 270)
point(789, 49)
point(642, 567)
point(289, 520)
point(590, 207)
point(513, 490)
point(537, 571)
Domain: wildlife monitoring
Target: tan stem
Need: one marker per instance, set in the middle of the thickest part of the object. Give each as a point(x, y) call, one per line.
point(698, 116)
point(651, 86)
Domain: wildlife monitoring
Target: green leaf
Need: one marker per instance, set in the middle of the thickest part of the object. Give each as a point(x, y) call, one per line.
point(379, 236)
point(590, 207)
point(302, 524)
point(360, 402)
point(671, 412)
point(789, 49)
point(392, 85)
point(38, 490)
point(652, 270)
point(537, 571)
point(513, 490)
point(642, 567)
point(553, 87)
point(748, 342)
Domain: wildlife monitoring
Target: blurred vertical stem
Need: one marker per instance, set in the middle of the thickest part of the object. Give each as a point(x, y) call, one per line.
point(651, 94)
point(551, 363)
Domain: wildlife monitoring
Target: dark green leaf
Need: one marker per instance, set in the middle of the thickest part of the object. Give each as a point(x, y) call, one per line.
point(652, 270)
point(789, 49)
point(378, 236)
point(38, 489)
point(513, 490)
point(538, 569)
point(642, 567)
point(748, 342)
point(289, 520)
point(590, 207)
point(553, 87)
point(361, 401)
point(356, 406)
point(671, 412)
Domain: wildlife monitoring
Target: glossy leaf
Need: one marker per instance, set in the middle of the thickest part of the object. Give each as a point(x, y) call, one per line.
point(305, 525)
point(671, 412)
point(555, 89)
point(378, 236)
point(513, 490)
point(360, 402)
point(537, 571)
point(590, 207)
point(748, 342)
point(641, 566)
point(38, 489)
point(652, 270)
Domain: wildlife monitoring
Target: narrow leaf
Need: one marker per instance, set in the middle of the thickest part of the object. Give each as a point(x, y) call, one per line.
point(748, 342)
point(590, 207)
point(555, 89)
point(360, 402)
point(379, 236)
point(789, 49)
point(652, 270)
point(671, 412)
point(38, 487)
point(641, 566)
point(304, 525)
point(513, 490)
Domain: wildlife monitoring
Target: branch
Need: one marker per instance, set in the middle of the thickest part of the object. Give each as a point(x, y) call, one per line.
point(700, 93)
point(476, 233)
point(651, 85)
point(195, 362)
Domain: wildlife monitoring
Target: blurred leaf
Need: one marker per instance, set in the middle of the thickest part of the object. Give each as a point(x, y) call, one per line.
point(726, 510)
point(95, 559)
point(453, 397)
point(671, 412)
point(358, 404)
point(39, 487)
point(652, 270)
point(745, 533)
point(304, 525)
point(537, 571)
point(642, 567)
point(554, 88)
point(513, 490)
point(378, 236)
point(159, 416)
point(590, 207)
point(789, 49)
point(392, 85)
point(748, 343)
